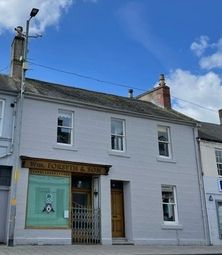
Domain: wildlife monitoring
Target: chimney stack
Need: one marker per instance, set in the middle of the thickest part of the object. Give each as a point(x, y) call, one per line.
point(220, 116)
point(159, 95)
point(17, 52)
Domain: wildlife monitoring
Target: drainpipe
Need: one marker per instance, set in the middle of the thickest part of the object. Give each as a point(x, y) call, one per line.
point(14, 105)
point(201, 187)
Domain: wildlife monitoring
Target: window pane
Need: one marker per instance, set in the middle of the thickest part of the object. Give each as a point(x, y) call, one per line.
point(162, 134)
point(219, 168)
point(164, 149)
point(168, 212)
point(168, 203)
point(64, 135)
point(218, 154)
point(48, 198)
point(117, 127)
point(167, 194)
point(117, 143)
point(81, 182)
point(65, 118)
point(5, 176)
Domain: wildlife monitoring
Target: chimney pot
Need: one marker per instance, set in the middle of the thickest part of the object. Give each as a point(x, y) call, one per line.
point(130, 93)
point(162, 80)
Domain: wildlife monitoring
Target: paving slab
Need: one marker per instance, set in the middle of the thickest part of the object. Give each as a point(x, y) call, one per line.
point(110, 250)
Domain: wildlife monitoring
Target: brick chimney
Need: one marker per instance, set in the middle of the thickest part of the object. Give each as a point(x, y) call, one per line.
point(17, 49)
point(220, 116)
point(159, 95)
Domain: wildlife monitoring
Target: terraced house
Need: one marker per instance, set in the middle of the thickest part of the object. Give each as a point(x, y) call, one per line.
point(210, 140)
point(100, 168)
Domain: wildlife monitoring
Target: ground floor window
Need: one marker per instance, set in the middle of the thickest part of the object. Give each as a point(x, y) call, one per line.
point(169, 204)
point(5, 175)
point(48, 201)
point(219, 216)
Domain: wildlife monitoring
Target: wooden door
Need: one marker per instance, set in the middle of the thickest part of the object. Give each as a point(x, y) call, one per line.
point(117, 213)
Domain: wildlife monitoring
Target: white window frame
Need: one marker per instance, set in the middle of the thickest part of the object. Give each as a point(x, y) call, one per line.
point(166, 142)
point(2, 116)
point(71, 128)
point(175, 222)
point(219, 162)
point(122, 136)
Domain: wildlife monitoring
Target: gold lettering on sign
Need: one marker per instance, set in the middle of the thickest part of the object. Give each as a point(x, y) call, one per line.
point(52, 165)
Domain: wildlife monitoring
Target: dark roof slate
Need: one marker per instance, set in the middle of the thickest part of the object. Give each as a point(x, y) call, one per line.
point(51, 90)
point(210, 132)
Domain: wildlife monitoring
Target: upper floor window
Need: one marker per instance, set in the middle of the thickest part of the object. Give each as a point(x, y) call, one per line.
point(219, 161)
point(65, 127)
point(117, 134)
point(169, 204)
point(2, 104)
point(164, 141)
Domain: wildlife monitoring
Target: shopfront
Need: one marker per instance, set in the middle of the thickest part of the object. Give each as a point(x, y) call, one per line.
point(64, 195)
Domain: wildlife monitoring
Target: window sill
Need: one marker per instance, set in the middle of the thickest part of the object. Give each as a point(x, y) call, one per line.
point(64, 147)
point(171, 226)
point(7, 139)
point(119, 154)
point(168, 160)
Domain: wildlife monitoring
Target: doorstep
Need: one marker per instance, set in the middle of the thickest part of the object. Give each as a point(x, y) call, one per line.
point(121, 241)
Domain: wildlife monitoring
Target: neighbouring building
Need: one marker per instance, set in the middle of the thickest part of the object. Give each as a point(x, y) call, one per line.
point(210, 141)
point(101, 168)
point(7, 127)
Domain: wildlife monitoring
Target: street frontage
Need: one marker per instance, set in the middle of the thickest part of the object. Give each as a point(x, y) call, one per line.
point(108, 250)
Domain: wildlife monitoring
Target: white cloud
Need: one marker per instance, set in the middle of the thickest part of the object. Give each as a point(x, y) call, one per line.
point(211, 61)
point(213, 58)
point(204, 90)
point(14, 13)
point(200, 45)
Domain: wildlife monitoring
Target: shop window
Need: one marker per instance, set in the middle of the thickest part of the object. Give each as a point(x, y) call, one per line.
point(164, 141)
point(48, 201)
point(117, 134)
point(169, 204)
point(65, 127)
point(218, 154)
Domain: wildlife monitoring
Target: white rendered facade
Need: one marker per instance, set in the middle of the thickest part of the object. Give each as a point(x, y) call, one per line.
point(213, 192)
point(138, 166)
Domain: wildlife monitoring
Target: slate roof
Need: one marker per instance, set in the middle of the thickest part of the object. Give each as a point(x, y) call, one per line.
point(210, 132)
point(103, 100)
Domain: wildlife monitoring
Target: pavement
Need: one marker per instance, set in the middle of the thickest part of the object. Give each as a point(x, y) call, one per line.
point(109, 250)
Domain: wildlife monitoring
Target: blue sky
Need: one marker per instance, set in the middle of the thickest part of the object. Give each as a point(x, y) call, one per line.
point(125, 42)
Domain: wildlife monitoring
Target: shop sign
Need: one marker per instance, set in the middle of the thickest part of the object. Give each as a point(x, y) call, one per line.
point(54, 165)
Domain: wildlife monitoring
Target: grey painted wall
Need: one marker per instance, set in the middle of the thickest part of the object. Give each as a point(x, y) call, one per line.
point(139, 167)
point(5, 139)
